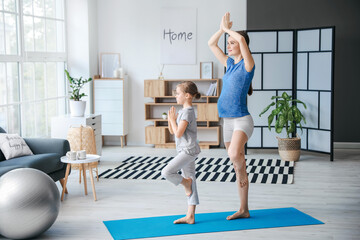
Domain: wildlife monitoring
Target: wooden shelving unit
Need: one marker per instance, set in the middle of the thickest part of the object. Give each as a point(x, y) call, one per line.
point(161, 91)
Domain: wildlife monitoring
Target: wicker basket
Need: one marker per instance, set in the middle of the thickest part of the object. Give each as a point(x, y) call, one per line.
point(289, 148)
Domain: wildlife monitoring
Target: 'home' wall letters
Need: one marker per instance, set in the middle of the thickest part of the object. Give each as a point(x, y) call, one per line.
point(178, 35)
point(172, 36)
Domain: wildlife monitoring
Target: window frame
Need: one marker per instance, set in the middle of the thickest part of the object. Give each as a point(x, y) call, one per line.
point(23, 57)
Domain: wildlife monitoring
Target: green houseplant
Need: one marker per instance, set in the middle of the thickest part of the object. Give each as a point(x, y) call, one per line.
point(287, 116)
point(77, 106)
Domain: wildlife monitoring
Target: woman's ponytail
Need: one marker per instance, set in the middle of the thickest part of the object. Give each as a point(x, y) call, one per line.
point(250, 92)
point(247, 40)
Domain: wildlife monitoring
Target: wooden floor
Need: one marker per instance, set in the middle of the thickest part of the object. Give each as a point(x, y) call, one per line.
point(328, 191)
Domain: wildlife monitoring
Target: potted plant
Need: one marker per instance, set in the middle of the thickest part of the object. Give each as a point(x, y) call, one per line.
point(77, 106)
point(164, 115)
point(286, 116)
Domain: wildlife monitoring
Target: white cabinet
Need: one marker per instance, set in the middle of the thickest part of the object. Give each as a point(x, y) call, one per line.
point(61, 124)
point(110, 100)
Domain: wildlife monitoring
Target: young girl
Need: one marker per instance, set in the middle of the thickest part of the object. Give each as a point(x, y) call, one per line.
point(238, 123)
point(183, 125)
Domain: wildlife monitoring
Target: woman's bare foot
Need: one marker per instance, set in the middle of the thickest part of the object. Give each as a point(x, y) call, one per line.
point(185, 220)
point(239, 214)
point(187, 182)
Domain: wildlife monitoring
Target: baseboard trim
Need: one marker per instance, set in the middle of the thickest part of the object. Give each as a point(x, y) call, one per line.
point(118, 143)
point(337, 145)
point(346, 145)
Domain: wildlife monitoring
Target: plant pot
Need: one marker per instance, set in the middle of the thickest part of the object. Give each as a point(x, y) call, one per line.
point(164, 116)
point(289, 148)
point(77, 108)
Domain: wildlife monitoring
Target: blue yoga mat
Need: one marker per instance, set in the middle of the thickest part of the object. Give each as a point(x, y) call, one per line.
point(207, 222)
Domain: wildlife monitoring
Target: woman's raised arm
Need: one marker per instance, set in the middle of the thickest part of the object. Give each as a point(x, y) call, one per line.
point(245, 52)
point(213, 44)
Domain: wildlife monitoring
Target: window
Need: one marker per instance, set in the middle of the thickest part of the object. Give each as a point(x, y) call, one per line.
point(32, 63)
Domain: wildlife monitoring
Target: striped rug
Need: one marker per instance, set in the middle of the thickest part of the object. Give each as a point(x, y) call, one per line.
point(268, 171)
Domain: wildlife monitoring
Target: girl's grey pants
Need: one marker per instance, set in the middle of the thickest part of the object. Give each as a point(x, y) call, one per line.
point(186, 164)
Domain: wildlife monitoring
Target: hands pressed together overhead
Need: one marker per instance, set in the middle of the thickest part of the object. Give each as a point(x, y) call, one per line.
point(226, 24)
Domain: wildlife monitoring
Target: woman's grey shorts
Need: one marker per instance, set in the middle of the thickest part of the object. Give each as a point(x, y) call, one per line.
point(245, 124)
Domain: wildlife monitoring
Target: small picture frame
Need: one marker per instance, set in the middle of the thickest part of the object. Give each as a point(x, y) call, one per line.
point(206, 70)
point(109, 64)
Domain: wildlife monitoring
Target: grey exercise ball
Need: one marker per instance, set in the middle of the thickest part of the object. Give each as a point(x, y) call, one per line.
point(29, 203)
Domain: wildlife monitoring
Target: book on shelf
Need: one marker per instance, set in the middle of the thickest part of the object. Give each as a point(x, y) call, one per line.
point(212, 90)
point(209, 89)
point(214, 93)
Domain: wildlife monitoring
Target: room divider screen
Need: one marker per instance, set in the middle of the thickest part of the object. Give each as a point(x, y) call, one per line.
point(299, 62)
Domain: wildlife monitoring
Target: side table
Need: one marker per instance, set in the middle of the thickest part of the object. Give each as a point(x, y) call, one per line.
point(85, 165)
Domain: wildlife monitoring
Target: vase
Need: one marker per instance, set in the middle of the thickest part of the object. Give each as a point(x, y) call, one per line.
point(161, 77)
point(77, 108)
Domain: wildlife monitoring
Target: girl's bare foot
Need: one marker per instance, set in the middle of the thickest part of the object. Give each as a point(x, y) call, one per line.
point(185, 220)
point(187, 182)
point(239, 214)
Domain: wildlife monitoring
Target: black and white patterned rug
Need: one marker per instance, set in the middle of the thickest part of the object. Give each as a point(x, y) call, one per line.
point(270, 171)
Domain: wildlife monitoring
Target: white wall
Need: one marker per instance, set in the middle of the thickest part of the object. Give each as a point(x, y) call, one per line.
point(82, 44)
point(132, 28)
point(93, 42)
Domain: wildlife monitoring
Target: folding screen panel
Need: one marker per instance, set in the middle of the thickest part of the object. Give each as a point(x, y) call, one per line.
point(315, 59)
point(299, 62)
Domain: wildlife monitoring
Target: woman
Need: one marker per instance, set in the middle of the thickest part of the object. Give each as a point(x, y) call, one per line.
point(238, 123)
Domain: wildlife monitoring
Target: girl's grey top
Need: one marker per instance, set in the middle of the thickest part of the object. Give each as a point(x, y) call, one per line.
point(188, 141)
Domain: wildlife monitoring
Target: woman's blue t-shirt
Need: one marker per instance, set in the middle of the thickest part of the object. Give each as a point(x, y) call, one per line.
point(236, 83)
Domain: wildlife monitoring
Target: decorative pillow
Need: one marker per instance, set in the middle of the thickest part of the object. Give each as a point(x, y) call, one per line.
point(12, 145)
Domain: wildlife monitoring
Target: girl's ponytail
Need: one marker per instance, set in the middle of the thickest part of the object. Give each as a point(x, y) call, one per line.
point(197, 95)
point(191, 88)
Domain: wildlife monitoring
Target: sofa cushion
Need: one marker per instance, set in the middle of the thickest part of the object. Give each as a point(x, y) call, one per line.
point(12, 146)
point(4, 170)
point(46, 162)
